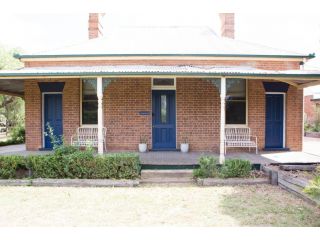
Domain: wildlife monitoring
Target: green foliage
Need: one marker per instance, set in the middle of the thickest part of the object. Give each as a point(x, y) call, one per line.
point(45, 166)
point(313, 188)
point(69, 162)
point(9, 165)
point(11, 107)
point(10, 142)
point(315, 127)
point(120, 165)
point(55, 140)
point(208, 167)
point(235, 168)
point(7, 59)
point(18, 134)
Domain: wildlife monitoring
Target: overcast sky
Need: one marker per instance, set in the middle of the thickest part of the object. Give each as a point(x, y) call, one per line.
point(33, 32)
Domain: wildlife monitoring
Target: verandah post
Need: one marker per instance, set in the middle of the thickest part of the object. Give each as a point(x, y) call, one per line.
point(100, 114)
point(222, 118)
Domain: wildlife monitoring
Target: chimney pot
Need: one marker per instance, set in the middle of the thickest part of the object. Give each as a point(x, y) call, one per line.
point(227, 24)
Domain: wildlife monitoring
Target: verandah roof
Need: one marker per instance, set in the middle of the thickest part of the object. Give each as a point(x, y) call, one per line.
point(11, 81)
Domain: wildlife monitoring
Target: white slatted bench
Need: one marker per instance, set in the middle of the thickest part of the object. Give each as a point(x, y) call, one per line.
point(239, 137)
point(88, 136)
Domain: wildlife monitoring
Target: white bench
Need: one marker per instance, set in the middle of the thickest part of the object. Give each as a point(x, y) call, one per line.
point(88, 136)
point(239, 137)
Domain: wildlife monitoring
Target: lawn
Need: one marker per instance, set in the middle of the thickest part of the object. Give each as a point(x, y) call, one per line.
point(262, 205)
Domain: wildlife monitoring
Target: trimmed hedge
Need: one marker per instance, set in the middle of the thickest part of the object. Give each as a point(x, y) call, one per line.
point(67, 162)
point(235, 168)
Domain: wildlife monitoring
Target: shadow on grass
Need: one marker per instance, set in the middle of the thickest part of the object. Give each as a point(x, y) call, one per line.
point(265, 205)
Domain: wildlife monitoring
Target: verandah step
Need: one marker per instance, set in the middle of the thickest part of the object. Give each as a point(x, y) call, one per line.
point(166, 174)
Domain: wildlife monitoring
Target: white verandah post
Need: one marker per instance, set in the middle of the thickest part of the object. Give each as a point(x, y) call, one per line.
point(222, 118)
point(100, 114)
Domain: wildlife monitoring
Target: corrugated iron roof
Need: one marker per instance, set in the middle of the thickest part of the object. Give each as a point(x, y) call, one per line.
point(165, 41)
point(179, 70)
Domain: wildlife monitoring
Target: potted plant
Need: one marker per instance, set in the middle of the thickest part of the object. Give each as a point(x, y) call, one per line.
point(143, 144)
point(184, 146)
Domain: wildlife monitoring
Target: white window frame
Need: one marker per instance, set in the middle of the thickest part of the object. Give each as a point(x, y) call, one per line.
point(164, 87)
point(284, 114)
point(240, 125)
point(84, 125)
point(42, 115)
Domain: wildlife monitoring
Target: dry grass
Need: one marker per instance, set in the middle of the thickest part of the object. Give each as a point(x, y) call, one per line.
point(153, 206)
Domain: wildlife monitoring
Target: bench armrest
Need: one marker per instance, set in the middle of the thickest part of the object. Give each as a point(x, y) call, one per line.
point(254, 138)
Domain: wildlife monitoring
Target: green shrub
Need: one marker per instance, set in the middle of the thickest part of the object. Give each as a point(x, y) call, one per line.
point(18, 134)
point(79, 164)
point(119, 165)
point(235, 168)
point(67, 162)
point(208, 167)
point(46, 166)
point(65, 150)
point(313, 188)
point(9, 165)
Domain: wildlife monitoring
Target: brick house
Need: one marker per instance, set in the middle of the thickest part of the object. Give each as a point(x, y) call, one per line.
point(164, 84)
point(311, 109)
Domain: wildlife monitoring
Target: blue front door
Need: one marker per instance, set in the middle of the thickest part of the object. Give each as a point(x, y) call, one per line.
point(52, 117)
point(163, 120)
point(274, 120)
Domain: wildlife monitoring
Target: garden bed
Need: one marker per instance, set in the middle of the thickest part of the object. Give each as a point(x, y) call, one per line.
point(231, 172)
point(294, 181)
point(67, 162)
point(70, 182)
point(231, 181)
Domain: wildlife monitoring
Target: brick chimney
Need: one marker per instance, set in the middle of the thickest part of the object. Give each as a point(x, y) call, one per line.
point(227, 24)
point(94, 25)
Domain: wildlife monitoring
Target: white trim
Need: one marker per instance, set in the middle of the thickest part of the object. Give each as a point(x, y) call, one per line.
point(78, 58)
point(164, 87)
point(42, 114)
point(81, 95)
point(284, 126)
point(223, 90)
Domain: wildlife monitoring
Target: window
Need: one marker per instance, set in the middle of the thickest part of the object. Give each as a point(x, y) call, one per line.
point(163, 83)
point(236, 105)
point(163, 108)
point(89, 102)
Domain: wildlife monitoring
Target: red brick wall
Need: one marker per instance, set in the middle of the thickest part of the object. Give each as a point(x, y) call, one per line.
point(198, 114)
point(33, 103)
point(256, 110)
point(123, 100)
point(309, 109)
point(294, 118)
point(294, 114)
point(268, 65)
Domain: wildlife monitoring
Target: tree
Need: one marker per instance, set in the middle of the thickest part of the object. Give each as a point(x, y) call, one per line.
point(11, 107)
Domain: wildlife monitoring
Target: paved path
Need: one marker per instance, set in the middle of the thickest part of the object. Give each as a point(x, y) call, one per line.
point(12, 149)
point(311, 145)
point(19, 149)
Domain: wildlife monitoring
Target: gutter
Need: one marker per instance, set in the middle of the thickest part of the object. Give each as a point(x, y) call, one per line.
point(85, 56)
point(138, 74)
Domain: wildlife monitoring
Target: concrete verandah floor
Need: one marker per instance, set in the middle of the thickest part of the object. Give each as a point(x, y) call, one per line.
point(178, 158)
